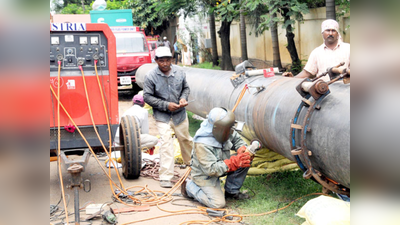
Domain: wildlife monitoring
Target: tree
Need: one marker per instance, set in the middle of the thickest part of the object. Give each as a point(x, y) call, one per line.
point(290, 10)
point(275, 40)
point(213, 38)
point(227, 12)
point(210, 7)
point(330, 9)
point(243, 39)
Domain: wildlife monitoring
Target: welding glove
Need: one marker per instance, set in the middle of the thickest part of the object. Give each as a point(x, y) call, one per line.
point(242, 150)
point(237, 161)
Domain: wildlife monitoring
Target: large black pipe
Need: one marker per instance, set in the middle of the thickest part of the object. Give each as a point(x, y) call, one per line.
point(268, 115)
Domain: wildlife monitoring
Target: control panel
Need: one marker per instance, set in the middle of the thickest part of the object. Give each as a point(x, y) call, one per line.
point(76, 49)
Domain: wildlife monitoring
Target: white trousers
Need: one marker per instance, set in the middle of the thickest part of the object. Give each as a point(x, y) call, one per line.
point(167, 148)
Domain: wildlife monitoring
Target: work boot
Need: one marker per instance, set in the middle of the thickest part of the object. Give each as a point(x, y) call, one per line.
point(166, 184)
point(237, 196)
point(183, 189)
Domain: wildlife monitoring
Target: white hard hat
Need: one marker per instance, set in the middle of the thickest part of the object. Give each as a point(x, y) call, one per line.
point(165, 38)
point(163, 52)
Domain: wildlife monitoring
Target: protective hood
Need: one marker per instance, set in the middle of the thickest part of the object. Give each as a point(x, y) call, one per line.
point(215, 130)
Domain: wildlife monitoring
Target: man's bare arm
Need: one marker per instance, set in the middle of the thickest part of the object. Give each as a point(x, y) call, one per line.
point(302, 74)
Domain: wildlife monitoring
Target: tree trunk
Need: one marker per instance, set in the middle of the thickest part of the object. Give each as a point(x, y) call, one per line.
point(224, 33)
point(330, 9)
point(213, 39)
point(275, 43)
point(243, 41)
point(291, 46)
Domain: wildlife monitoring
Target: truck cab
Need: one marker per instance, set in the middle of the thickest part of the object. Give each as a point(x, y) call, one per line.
point(132, 52)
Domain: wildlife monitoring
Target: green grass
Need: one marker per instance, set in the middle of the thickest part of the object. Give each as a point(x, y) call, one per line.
point(194, 125)
point(206, 65)
point(275, 191)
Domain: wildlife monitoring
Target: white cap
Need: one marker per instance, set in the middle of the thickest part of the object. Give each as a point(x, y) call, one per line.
point(163, 52)
point(165, 38)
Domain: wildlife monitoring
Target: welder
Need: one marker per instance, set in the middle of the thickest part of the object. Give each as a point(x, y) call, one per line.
point(211, 159)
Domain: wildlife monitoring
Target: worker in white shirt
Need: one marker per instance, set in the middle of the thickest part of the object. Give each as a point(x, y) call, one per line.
point(147, 141)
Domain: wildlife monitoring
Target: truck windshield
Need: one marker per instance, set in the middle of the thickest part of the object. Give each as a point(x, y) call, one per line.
point(130, 42)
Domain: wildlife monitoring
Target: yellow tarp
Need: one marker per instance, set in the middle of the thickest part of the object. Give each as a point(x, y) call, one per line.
point(267, 161)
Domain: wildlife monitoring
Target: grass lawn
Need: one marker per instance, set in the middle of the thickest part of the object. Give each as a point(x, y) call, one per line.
point(206, 65)
point(273, 191)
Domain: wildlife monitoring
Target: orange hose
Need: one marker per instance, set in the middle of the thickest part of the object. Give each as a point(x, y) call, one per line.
point(59, 143)
point(240, 98)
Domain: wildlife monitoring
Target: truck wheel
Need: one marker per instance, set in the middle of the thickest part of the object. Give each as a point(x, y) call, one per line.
point(131, 156)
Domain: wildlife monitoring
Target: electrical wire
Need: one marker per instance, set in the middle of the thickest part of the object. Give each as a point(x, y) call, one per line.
point(59, 140)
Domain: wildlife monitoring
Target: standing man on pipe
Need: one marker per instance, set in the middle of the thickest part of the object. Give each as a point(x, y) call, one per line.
point(211, 159)
point(166, 90)
point(332, 52)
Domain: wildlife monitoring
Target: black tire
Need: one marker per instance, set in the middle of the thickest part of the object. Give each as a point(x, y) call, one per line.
point(131, 156)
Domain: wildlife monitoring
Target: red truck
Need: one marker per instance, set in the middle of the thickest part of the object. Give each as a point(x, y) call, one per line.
point(133, 51)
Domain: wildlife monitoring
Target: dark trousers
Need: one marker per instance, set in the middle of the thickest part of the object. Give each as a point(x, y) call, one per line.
point(176, 56)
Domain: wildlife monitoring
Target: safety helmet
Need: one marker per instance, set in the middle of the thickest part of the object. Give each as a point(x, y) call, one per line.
point(163, 52)
point(138, 99)
point(223, 121)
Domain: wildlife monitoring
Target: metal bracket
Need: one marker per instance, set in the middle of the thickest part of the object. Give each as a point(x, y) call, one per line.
point(301, 153)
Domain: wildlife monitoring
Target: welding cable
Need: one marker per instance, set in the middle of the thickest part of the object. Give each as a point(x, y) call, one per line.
point(240, 97)
point(94, 126)
point(168, 194)
point(152, 201)
point(108, 175)
point(59, 140)
point(109, 128)
point(90, 148)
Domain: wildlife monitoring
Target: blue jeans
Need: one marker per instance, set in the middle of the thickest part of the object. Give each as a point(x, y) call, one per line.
point(212, 196)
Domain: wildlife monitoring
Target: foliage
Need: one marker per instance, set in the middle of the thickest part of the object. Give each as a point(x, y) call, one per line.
point(228, 10)
point(75, 9)
point(344, 7)
point(296, 11)
point(254, 10)
point(313, 3)
point(59, 5)
point(146, 13)
point(114, 5)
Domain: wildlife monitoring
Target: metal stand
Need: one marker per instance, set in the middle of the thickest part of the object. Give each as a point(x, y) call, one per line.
point(75, 168)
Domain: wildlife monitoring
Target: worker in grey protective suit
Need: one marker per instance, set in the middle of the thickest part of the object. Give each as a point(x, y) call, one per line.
point(211, 159)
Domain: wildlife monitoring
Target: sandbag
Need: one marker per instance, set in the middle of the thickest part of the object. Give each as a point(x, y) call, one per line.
point(325, 210)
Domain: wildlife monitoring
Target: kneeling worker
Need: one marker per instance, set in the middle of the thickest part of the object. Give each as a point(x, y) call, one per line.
point(211, 159)
point(140, 114)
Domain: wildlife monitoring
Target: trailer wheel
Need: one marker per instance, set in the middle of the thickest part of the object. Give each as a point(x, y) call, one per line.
point(131, 156)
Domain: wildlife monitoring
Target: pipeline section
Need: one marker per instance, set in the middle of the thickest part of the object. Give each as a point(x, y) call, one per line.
point(268, 113)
